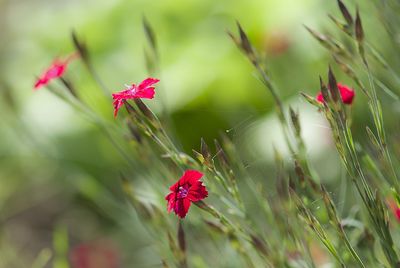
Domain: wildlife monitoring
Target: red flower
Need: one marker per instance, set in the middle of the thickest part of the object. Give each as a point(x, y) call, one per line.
point(143, 90)
point(395, 208)
point(100, 254)
point(56, 70)
point(187, 189)
point(346, 93)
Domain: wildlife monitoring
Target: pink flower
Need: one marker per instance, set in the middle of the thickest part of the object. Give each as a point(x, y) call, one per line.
point(347, 94)
point(56, 70)
point(144, 90)
point(187, 189)
point(94, 255)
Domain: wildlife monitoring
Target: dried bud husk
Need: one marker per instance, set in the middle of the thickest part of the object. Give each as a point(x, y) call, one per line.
point(366, 240)
point(147, 113)
point(372, 138)
point(330, 207)
point(339, 24)
point(245, 43)
point(345, 67)
point(205, 152)
point(149, 32)
point(7, 94)
point(310, 99)
point(259, 245)
point(80, 47)
point(328, 42)
point(358, 28)
point(333, 86)
point(222, 157)
point(324, 91)
point(150, 61)
point(134, 130)
point(292, 184)
point(345, 12)
point(173, 247)
point(164, 264)
point(234, 38)
point(199, 156)
point(281, 182)
point(204, 149)
point(68, 85)
point(204, 206)
point(181, 237)
point(294, 116)
point(320, 38)
point(300, 173)
point(131, 111)
point(216, 227)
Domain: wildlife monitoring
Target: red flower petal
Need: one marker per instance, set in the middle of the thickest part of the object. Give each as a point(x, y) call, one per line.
point(320, 98)
point(394, 207)
point(187, 189)
point(191, 176)
point(94, 255)
point(147, 83)
point(147, 93)
point(144, 90)
point(347, 94)
point(197, 192)
point(171, 198)
point(397, 214)
point(56, 70)
point(117, 105)
point(182, 207)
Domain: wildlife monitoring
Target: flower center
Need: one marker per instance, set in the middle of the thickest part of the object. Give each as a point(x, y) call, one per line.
point(182, 191)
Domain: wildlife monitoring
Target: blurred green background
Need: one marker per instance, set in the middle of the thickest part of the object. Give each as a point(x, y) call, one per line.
point(59, 183)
